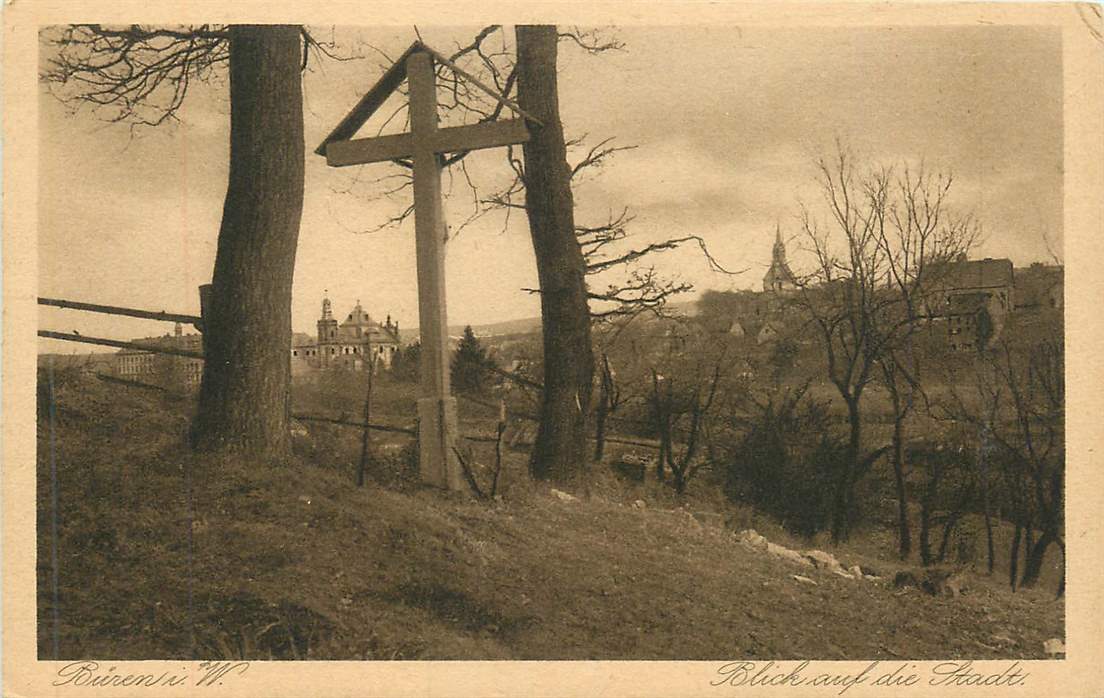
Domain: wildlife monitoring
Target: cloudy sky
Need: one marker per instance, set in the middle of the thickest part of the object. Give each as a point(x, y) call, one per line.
point(726, 124)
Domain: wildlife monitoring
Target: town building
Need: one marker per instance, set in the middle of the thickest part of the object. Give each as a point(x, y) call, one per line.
point(1039, 286)
point(779, 278)
point(166, 370)
point(968, 300)
point(973, 298)
point(974, 321)
point(979, 296)
point(347, 345)
point(969, 277)
point(762, 317)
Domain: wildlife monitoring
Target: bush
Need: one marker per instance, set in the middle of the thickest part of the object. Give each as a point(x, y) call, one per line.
point(786, 463)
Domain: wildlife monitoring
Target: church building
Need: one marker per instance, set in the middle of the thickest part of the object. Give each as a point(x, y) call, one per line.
point(347, 345)
point(779, 278)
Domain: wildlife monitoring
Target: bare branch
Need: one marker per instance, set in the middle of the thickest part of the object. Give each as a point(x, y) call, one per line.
point(597, 155)
point(133, 74)
point(592, 40)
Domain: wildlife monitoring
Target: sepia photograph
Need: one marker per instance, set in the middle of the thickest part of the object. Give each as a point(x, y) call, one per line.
point(730, 343)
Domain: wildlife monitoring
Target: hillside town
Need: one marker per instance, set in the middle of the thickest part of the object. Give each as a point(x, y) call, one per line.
point(969, 304)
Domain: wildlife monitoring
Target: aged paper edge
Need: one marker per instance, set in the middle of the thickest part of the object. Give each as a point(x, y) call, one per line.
point(1083, 61)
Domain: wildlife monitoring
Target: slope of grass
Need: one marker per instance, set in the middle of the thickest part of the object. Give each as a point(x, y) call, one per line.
point(163, 554)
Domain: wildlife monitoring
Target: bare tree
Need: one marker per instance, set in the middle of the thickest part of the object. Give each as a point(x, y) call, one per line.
point(1020, 406)
point(568, 362)
point(623, 343)
point(887, 234)
point(638, 289)
point(619, 286)
point(920, 239)
point(679, 395)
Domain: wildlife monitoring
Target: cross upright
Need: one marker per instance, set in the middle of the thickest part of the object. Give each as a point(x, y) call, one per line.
point(425, 146)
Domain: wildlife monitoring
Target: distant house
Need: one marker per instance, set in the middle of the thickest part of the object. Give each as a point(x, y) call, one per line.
point(973, 298)
point(974, 321)
point(968, 300)
point(1039, 286)
point(963, 277)
point(767, 333)
point(303, 346)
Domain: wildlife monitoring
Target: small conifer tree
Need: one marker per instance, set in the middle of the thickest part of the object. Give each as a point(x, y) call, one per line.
point(470, 365)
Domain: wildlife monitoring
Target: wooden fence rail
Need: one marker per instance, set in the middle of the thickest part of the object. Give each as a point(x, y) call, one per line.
point(377, 427)
point(643, 443)
point(353, 423)
point(139, 346)
point(115, 310)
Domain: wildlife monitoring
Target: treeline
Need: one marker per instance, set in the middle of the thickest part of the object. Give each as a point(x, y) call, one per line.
point(982, 440)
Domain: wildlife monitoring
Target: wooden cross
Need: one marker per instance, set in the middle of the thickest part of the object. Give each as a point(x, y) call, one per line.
point(425, 146)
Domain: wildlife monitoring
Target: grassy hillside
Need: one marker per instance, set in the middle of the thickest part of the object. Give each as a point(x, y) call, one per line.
point(163, 554)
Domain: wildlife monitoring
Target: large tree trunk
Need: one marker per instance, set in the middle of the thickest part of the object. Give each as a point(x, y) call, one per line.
point(559, 450)
point(243, 401)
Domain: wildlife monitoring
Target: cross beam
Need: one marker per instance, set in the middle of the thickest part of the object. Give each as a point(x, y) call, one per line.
point(492, 134)
point(424, 145)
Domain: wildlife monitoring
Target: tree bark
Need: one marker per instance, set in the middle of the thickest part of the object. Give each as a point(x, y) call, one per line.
point(243, 402)
point(1028, 543)
point(560, 447)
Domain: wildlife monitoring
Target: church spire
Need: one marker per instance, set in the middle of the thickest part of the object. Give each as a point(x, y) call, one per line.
point(327, 310)
point(779, 277)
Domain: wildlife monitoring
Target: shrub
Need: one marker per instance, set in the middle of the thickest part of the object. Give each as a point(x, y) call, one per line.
point(786, 461)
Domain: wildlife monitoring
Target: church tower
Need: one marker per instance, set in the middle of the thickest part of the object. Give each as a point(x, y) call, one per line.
point(779, 278)
point(327, 333)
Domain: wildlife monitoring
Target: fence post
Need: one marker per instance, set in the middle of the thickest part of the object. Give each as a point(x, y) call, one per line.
point(205, 291)
point(204, 305)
